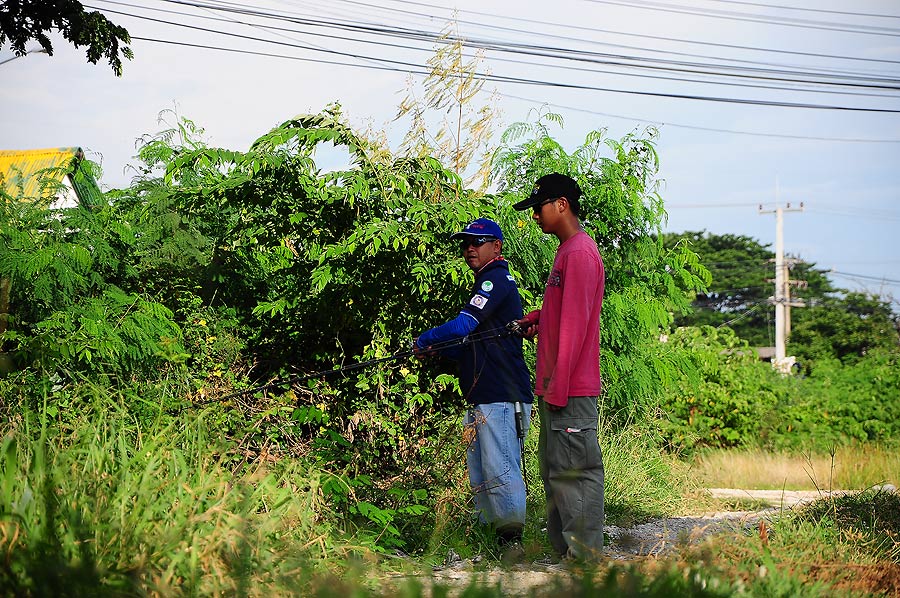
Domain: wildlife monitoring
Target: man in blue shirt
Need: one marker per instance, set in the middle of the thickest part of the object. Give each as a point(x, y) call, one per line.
point(493, 377)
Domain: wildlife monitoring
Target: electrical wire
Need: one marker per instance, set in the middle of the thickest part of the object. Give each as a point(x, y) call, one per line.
point(793, 77)
point(818, 10)
point(865, 276)
point(415, 69)
point(803, 77)
point(699, 128)
point(738, 16)
point(594, 31)
point(740, 317)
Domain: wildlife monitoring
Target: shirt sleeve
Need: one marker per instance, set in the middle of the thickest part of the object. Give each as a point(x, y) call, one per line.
point(579, 285)
point(457, 328)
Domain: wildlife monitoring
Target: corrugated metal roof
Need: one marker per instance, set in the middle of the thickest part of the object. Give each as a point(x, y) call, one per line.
point(38, 174)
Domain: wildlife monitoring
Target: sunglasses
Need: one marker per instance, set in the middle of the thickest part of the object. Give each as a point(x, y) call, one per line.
point(475, 242)
point(538, 207)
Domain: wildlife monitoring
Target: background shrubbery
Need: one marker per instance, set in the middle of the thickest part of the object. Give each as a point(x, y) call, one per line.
point(739, 401)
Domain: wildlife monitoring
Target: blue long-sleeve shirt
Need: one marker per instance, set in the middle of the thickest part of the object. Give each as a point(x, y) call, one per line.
point(491, 370)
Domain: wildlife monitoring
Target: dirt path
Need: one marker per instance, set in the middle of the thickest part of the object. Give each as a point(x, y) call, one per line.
point(651, 539)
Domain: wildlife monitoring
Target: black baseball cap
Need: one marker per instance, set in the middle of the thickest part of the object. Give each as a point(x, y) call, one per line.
point(551, 186)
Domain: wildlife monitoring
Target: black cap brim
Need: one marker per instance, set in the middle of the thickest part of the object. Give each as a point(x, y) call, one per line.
point(526, 203)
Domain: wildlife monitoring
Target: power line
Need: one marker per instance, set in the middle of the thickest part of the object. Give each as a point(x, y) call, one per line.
point(594, 41)
point(894, 217)
point(819, 10)
point(865, 276)
point(740, 317)
point(795, 78)
point(738, 16)
point(536, 82)
point(573, 108)
point(699, 128)
point(593, 30)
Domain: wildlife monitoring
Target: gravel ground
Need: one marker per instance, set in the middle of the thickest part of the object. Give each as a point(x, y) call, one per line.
point(651, 539)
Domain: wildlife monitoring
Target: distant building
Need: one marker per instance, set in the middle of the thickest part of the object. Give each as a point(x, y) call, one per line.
point(765, 353)
point(55, 177)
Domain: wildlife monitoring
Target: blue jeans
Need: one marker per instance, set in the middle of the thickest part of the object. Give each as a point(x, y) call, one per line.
point(494, 462)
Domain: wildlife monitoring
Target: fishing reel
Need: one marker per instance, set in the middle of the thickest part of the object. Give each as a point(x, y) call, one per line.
point(514, 328)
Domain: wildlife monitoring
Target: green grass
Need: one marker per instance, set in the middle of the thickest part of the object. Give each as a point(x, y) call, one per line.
point(153, 510)
point(94, 504)
point(841, 546)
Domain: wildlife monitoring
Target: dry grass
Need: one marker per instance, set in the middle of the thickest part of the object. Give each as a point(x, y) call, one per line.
point(850, 468)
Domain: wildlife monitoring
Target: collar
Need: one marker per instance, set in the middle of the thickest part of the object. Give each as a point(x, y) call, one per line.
point(497, 261)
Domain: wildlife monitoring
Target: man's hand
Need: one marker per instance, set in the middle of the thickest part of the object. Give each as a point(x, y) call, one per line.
point(528, 325)
point(527, 328)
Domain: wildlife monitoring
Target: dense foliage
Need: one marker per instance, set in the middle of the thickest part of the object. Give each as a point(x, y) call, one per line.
point(623, 211)
point(847, 328)
point(741, 401)
point(136, 324)
point(24, 20)
point(739, 295)
point(219, 270)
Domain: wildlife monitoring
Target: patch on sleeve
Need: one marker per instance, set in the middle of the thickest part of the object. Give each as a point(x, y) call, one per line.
point(487, 286)
point(510, 278)
point(478, 301)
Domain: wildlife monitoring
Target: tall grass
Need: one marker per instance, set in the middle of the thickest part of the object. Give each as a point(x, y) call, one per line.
point(165, 510)
point(641, 481)
point(850, 468)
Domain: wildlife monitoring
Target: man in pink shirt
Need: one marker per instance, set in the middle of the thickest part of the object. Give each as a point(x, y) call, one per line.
point(568, 372)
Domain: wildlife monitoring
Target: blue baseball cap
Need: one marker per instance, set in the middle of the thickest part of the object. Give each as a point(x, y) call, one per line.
point(481, 227)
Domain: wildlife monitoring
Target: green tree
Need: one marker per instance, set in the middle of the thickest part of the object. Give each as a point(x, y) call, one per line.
point(846, 328)
point(66, 315)
point(623, 211)
point(24, 20)
point(738, 296)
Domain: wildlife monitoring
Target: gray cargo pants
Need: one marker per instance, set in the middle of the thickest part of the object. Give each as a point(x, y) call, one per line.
point(572, 471)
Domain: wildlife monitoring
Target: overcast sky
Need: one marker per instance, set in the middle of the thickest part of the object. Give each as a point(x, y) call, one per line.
point(781, 104)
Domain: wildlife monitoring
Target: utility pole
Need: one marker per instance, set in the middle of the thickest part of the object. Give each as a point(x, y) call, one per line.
point(788, 303)
point(782, 294)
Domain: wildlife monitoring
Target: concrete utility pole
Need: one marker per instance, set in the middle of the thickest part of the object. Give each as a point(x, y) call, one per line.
point(788, 303)
point(782, 293)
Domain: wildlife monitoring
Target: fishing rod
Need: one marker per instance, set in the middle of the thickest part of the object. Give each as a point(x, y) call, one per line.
point(495, 333)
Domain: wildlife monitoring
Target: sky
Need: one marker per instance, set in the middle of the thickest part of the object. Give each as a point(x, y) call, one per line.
point(756, 102)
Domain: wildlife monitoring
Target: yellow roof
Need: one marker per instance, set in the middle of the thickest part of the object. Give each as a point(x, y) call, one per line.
point(37, 173)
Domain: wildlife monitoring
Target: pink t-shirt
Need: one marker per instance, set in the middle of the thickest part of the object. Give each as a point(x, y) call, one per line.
point(568, 347)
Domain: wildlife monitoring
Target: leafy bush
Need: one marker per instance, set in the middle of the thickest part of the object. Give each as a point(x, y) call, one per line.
point(622, 210)
point(840, 403)
point(725, 403)
point(738, 400)
point(64, 313)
